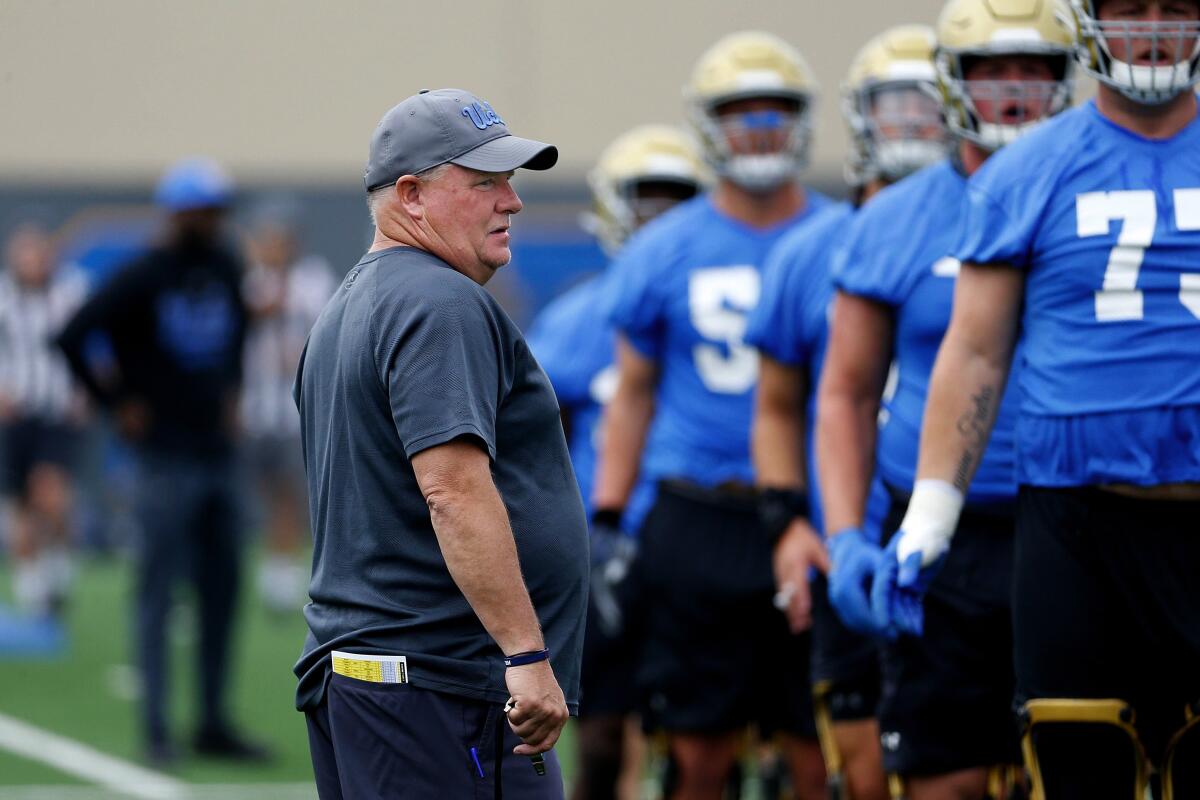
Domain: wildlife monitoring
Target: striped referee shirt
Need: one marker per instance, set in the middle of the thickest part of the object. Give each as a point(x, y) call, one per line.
point(275, 340)
point(33, 373)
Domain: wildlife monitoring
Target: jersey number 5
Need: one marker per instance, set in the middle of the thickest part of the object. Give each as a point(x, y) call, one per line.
point(719, 300)
point(1119, 298)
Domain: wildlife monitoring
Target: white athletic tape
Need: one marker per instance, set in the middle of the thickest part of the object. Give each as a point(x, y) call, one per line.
point(930, 521)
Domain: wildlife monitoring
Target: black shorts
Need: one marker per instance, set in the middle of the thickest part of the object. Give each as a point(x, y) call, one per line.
point(845, 664)
point(378, 741)
point(27, 442)
point(1107, 603)
point(606, 673)
point(717, 653)
point(947, 695)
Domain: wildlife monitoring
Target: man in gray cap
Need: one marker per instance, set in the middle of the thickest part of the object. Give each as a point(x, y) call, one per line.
point(450, 552)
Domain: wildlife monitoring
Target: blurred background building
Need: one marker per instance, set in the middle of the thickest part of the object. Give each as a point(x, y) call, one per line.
point(100, 97)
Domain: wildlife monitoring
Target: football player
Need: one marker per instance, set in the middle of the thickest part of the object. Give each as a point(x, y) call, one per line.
point(895, 127)
point(640, 175)
point(945, 710)
point(1085, 235)
point(718, 654)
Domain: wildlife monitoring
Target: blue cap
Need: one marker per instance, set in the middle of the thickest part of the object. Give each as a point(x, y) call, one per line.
point(194, 183)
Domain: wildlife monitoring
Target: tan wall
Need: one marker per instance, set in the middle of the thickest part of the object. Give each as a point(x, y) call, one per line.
point(113, 90)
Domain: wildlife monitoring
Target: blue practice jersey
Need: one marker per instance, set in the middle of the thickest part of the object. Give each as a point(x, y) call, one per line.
point(576, 346)
point(898, 253)
point(680, 292)
point(791, 325)
point(1106, 225)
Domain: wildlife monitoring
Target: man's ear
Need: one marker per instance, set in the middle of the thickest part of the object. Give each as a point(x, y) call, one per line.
point(408, 194)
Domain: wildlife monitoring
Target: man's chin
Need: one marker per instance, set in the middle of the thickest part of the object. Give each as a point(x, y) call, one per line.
point(498, 259)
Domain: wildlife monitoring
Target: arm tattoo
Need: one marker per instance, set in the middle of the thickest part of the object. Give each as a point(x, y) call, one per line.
point(973, 425)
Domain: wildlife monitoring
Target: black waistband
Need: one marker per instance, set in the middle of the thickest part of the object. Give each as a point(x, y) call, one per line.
point(1001, 509)
point(729, 493)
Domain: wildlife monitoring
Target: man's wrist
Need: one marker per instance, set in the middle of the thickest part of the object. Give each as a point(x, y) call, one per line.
point(607, 517)
point(842, 531)
point(527, 657)
point(778, 508)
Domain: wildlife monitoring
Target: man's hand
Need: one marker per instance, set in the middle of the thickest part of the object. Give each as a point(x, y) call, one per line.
point(855, 560)
point(7, 408)
point(898, 593)
point(539, 709)
point(914, 557)
point(796, 553)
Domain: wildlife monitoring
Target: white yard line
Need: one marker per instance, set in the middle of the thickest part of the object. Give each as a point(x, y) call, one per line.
point(78, 759)
point(207, 791)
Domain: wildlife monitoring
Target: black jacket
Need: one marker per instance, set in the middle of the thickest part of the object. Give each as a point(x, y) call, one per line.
point(168, 331)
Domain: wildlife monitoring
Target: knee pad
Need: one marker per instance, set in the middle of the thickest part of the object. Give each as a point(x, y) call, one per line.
point(1181, 767)
point(1069, 743)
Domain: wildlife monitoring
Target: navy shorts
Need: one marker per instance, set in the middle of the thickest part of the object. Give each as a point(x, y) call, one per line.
point(717, 654)
point(947, 696)
point(384, 741)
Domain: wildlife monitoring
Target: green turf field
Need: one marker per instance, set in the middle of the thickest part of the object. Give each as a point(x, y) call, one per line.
point(89, 693)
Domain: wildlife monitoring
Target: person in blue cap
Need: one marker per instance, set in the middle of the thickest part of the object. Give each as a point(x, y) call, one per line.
point(176, 323)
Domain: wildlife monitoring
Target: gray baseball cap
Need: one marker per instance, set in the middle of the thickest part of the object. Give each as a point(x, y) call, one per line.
point(448, 126)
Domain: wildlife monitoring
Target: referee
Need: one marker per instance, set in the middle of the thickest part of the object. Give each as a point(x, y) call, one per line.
point(450, 550)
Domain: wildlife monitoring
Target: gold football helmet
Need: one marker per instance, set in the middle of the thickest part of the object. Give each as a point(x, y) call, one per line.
point(745, 66)
point(890, 104)
point(1174, 54)
point(968, 30)
point(650, 154)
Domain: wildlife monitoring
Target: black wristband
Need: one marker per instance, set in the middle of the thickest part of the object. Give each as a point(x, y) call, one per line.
point(528, 657)
point(777, 508)
point(607, 517)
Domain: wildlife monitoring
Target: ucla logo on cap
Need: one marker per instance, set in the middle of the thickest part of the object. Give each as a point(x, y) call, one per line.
point(481, 115)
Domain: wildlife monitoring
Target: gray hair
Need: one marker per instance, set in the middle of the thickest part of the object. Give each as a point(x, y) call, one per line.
point(377, 197)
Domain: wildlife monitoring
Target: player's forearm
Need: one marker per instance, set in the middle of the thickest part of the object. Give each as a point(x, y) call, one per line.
point(965, 390)
point(970, 374)
point(846, 430)
point(477, 544)
point(777, 433)
point(776, 439)
point(626, 422)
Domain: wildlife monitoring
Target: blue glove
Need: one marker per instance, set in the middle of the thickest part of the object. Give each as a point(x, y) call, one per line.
point(898, 593)
point(855, 560)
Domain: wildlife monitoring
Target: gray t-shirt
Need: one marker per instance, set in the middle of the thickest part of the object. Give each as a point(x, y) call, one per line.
point(410, 354)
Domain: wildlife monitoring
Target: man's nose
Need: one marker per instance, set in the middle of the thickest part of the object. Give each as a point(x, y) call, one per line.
point(509, 202)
